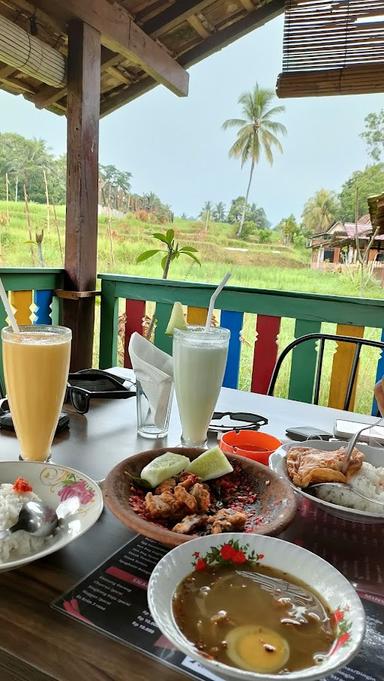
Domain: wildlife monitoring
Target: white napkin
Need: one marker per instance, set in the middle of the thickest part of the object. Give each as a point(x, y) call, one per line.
point(154, 369)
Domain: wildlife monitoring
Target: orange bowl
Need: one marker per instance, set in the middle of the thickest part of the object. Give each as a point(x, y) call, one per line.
point(250, 444)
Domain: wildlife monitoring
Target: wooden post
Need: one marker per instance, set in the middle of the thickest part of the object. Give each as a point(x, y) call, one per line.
point(82, 186)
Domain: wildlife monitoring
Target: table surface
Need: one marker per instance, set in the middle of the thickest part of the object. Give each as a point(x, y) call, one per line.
point(37, 643)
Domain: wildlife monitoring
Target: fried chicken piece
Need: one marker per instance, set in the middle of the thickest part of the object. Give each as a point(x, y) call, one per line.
point(227, 520)
point(166, 486)
point(187, 480)
point(306, 465)
point(161, 505)
point(190, 523)
point(184, 498)
point(202, 495)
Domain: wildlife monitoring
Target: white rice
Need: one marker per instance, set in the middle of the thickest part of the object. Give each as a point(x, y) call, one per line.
point(369, 481)
point(19, 543)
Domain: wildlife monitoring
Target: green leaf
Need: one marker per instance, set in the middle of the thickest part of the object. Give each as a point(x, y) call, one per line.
point(188, 249)
point(170, 235)
point(32, 243)
point(190, 255)
point(160, 237)
point(146, 255)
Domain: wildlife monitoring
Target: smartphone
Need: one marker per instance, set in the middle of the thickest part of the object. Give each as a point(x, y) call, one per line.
point(7, 424)
point(307, 433)
point(345, 430)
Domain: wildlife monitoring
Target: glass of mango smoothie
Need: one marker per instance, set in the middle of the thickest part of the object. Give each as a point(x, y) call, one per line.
point(36, 365)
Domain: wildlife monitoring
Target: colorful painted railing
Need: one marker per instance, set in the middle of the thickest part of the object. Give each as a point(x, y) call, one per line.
point(351, 315)
point(31, 292)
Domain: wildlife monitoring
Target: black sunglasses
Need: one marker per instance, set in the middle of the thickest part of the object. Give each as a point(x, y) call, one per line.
point(90, 383)
point(250, 421)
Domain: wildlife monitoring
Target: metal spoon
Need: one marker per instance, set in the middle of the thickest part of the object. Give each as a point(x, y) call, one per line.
point(39, 519)
point(301, 601)
point(346, 485)
point(351, 444)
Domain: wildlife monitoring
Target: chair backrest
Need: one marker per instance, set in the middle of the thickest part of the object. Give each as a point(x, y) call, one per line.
point(322, 338)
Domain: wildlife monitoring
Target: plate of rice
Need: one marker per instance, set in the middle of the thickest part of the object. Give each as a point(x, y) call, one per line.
point(343, 503)
point(22, 481)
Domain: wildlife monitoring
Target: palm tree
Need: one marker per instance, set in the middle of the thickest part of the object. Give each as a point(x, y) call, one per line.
point(257, 133)
point(206, 213)
point(320, 211)
point(219, 212)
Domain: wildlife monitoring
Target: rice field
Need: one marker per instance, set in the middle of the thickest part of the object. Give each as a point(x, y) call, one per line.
point(265, 266)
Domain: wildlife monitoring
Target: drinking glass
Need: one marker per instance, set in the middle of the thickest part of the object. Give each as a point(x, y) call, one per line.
point(36, 365)
point(199, 363)
point(152, 423)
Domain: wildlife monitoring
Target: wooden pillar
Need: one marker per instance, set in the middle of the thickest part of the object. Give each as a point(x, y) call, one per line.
point(82, 186)
point(336, 255)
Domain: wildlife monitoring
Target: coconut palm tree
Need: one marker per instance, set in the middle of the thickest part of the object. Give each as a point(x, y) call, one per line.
point(206, 213)
point(257, 133)
point(320, 211)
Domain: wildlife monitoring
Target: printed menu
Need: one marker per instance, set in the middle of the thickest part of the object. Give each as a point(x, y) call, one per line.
point(113, 600)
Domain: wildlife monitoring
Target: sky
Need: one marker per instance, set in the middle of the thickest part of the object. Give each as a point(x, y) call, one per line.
point(176, 147)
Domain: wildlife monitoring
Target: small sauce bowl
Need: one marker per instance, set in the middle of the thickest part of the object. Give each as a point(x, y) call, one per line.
point(250, 444)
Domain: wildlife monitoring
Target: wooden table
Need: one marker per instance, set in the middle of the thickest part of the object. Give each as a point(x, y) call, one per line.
point(37, 643)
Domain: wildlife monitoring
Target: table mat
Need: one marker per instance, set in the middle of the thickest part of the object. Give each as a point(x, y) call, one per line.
point(112, 599)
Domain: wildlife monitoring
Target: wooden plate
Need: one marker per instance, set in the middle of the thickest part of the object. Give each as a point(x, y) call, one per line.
point(277, 503)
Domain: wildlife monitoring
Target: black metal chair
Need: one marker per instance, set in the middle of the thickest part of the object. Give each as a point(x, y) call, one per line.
point(322, 337)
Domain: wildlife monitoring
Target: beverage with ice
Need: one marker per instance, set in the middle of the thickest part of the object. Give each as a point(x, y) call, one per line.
point(36, 365)
point(199, 356)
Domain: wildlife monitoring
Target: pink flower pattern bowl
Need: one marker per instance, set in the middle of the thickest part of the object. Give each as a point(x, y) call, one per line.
point(251, 549)
point(53, 484)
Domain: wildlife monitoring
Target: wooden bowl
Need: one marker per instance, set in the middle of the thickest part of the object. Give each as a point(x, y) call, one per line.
point(277, 502)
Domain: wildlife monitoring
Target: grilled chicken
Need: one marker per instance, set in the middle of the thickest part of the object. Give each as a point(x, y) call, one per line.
point(306, 465)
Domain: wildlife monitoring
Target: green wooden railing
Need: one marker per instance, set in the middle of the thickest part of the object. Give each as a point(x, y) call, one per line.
point(31, 292)
point(351, 315)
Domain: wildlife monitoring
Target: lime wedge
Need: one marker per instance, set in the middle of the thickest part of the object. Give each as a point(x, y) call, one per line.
point(163, 467)
point(176, 320)
point(211, 464)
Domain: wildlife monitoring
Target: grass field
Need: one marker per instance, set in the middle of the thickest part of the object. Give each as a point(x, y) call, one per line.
point(270, 266)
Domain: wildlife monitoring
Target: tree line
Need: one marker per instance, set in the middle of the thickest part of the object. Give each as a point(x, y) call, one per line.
point(30, 171)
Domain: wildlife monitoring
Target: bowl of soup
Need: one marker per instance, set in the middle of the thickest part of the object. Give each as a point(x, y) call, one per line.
point(252, 607)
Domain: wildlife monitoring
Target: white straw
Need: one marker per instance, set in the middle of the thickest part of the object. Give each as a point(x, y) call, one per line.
point(213, 300)
point(8, 309)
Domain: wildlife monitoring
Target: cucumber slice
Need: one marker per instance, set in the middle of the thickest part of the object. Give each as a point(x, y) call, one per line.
point(211, 464)
point(165, 466)
point(176, 320)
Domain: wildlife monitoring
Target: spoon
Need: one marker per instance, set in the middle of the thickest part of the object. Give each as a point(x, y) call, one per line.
point(351, 444)
point(39, 519)
point(301, 601)
point(346, 485)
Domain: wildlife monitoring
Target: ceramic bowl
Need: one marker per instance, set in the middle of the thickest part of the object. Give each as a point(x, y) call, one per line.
point(276, 503)
point(53, 484)
point(314, 571)
point(374, 455)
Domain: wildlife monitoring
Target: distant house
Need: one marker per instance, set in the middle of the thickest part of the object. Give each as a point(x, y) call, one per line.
point(336, 247)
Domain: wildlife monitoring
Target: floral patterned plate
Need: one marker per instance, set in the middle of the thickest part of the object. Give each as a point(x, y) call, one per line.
point(53, 484)
point(241, 549)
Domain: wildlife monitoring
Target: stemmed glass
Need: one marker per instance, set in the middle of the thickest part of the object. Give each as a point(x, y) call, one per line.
point(36, 365)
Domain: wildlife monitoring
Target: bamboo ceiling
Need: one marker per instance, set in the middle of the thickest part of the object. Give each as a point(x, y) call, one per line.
point(189, 30)
point(332, 47)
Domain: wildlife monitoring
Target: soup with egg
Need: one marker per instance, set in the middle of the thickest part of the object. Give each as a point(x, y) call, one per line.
point(242, 620)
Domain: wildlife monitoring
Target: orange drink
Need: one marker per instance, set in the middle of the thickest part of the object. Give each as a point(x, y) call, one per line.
point(36, 365)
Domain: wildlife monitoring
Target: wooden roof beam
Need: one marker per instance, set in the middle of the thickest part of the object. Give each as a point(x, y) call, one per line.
point(173, 16)
point(48, 95)
point(120, 34)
